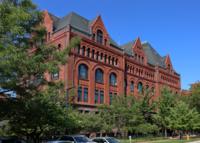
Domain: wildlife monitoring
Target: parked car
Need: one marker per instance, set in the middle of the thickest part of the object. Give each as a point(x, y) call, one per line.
point(105, 140)
point(76, 139)
point(11, 140)
point(59, 142)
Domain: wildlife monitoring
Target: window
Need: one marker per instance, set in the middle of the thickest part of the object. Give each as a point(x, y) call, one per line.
point(79, 93)
point(88, 52)
point(93, 36)
point(101, 97)
point(132, 86)
point(140, 88)
point(105, 58)
point(49, 35)
point(99, 76)
point(83, 51)
point(142, 59)
point(99, 37)
point(116, 62)
point(79, 49)
point(109, 59)
point(96, 98)
point(113, 61)
point(55, 75)
point(113, 79)
point(85, 95)
point(59, 46)
point(93, 54)
point(101, 57)
point(97, 56)
point(110, 95)
point(83, 71)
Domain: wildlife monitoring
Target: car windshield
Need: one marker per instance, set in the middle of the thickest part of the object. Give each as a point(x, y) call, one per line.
point(112, 140)
point(81, 139)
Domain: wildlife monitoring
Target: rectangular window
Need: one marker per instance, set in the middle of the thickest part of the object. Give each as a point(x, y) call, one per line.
point(110, 96)
point(96, 98)
point(79, 93)
point(55, 75)
point(85, 94)
point(101, 97)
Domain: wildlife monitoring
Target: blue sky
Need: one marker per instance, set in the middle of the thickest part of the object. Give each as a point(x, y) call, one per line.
point(171, 26)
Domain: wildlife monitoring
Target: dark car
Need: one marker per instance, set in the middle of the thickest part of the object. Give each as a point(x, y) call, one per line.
point(105, 140)
point(59, 142)
point(76, 139)
point(11, 140)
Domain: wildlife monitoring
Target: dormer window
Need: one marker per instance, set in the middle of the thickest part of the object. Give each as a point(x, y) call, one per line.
point(99, 37)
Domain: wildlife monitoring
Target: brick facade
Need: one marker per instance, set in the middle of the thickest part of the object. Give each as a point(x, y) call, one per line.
point(135, 65)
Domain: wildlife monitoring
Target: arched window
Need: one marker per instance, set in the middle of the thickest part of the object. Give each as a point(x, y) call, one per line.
point(113, 79)
point(59, 46)
point(99, 76)
point(140, 88)
point(113, 61)
point(83, 50)
point(132, 86)
point(97, 56)
point(88, 52)
point(99, 37)
point(83, 71)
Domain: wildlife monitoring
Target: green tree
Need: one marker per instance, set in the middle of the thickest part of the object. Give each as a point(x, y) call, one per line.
point(166, 100)
point(183, 118)
point(24, 60)
point(129, 114)
point(194, 99)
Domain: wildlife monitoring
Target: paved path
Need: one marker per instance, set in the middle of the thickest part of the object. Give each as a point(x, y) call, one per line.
point(194, 142)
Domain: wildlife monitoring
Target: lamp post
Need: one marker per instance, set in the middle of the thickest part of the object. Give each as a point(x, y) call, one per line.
point(67, 95)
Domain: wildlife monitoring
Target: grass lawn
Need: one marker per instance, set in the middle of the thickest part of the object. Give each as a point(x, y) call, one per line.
point(158, 140)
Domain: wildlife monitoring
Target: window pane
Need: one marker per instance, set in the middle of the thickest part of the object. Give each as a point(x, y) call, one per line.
point(85, 94)
point(83, 71)
point(99, 36)
point(55, 75)
point(96, 96)
point(101, 97)
point(110, 95)
point(140, 88)
point(113, 79)
point(99, 76)
point(79, 93)
point(132, 86)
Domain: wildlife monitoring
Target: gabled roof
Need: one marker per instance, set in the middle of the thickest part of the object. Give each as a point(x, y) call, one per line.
point(153, 57)
point(74, 20)
point(77, 22)
point(128, 48)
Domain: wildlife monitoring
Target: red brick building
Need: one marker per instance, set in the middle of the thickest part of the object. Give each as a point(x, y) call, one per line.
point(100, 68)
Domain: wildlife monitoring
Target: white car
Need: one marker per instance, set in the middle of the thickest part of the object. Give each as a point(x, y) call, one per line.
point(105, 140)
